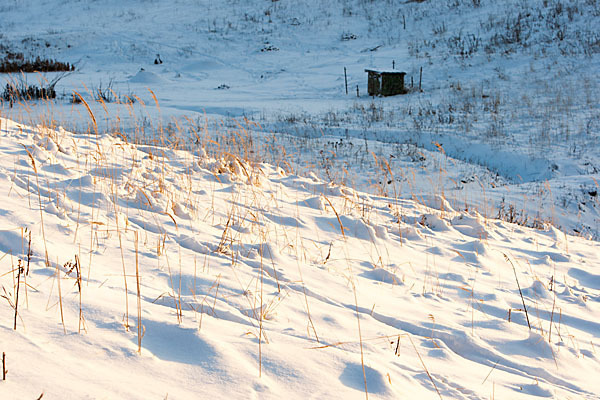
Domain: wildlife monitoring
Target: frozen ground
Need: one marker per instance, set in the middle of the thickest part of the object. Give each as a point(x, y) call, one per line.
point(224, 159)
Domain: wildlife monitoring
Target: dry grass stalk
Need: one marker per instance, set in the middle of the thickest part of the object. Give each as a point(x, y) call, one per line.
point(312, 325)
point(89, 110)
point(362, 360)
point(424, 367)
point(553, 289)
point(140, 333)
point(19, 272)
point(179, 289)
point(337, 216)
point(519, 286)
point(216, 284)
point(489, 373)
point(40, 203)
point(62, 318)
point(79, 288)
point(385, 338)
point(260, 323)
point(172, 293)
point(124, 277)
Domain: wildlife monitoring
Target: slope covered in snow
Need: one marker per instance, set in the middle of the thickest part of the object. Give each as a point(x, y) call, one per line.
point(205, 211)
point(140, 271)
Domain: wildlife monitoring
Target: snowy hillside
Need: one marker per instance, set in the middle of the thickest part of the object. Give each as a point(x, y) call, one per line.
point(204, 210)
point(235, 279)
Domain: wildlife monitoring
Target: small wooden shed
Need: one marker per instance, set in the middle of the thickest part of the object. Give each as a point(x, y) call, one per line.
point(385, 83)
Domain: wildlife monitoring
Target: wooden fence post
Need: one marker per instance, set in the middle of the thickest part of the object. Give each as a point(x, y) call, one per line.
point(346, 80)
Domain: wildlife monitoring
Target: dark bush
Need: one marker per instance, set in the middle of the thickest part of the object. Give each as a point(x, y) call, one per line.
point(14, 93)
point(18, 89)
point(17, 62)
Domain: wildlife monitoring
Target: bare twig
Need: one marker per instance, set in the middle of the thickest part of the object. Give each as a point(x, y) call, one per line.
point(19, 271)
point(519, 286)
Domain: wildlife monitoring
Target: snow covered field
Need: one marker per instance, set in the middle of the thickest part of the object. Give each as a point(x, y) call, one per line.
point(230, 223)
point(247, 281)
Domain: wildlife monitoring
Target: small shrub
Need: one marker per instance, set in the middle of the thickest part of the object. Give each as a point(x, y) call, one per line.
point(269, 47)
point(464, 46)
point(105, 93)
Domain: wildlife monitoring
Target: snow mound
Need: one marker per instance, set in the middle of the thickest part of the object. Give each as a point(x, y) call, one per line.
point(147, 78)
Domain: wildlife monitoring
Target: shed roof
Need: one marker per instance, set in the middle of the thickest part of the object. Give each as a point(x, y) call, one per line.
point(385, 71)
